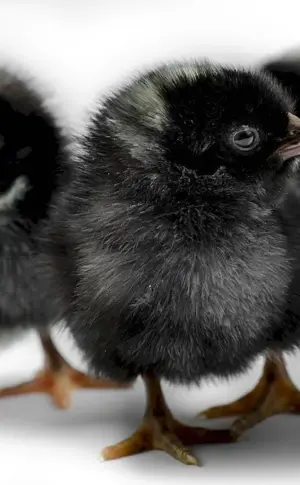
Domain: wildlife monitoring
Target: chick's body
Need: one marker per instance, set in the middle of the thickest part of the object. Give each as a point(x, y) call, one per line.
point(31, 159)
point(32, 153)
point(177, 266)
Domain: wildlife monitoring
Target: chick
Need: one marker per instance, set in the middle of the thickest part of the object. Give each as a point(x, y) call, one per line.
point(275, 393)
point(169, 260)
point(31, 156)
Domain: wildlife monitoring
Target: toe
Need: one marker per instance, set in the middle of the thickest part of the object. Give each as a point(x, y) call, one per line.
point(137, 443)
point(173, 446)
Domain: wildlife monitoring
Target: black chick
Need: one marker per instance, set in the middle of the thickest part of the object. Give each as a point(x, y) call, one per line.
point(165, 246)
point(32, 167)
point(275, 393)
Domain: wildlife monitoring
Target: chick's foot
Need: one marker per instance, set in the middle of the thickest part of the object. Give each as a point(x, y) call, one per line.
point(58, 379)
point(274, 394)
point(161, 431)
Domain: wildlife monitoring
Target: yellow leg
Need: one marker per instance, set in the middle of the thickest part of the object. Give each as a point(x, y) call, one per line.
point(58, 379)
point(275, 393)
point(161, 431)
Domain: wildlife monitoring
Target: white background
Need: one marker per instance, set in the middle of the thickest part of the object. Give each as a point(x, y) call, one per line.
point(76, 51)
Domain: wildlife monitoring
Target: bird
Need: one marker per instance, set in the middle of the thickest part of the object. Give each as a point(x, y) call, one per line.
point(168, 258)
point(32, 152)
point(275, 392)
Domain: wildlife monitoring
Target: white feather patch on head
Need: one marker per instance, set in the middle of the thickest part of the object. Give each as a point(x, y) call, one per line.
point(16, 192)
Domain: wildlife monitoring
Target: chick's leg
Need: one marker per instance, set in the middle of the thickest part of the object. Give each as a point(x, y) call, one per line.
point(161, 431)
point(58, 378)
point(274, 394)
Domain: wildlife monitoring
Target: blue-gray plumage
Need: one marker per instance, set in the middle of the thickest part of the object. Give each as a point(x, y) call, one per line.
point(167, 246)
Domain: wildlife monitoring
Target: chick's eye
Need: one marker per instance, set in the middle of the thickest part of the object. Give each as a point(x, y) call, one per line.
point(245, 139)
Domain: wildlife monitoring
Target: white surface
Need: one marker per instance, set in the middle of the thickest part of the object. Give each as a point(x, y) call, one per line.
point(78, 49)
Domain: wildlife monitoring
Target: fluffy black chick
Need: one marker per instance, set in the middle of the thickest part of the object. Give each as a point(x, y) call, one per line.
point(32, 153)
point(275, 392)
point(165, 246)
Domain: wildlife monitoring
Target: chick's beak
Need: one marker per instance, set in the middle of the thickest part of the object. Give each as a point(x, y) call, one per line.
point(291, 148)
